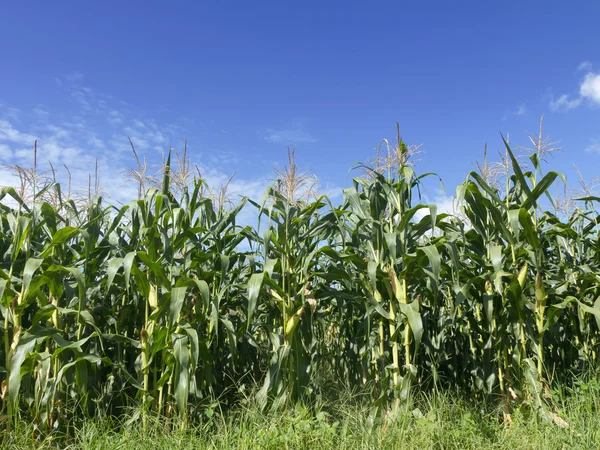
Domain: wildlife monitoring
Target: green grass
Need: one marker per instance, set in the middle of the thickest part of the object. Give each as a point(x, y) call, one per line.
point(442, 421)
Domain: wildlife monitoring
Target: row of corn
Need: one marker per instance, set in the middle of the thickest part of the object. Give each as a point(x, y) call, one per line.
point(167, 305)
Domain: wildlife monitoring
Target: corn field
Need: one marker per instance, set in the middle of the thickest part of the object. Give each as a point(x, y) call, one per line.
point(168, 304)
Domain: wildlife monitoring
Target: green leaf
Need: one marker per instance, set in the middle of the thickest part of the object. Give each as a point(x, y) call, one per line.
point(204, 293)
point(542, 187)
point(519, 173)
point(127, 264)
point(182, 372)
point(111, 271)
point(434, 259)
point(177, 297)
point(254, 285)
point(531, 233)
point(31, 266)
point(11, 192)
point(26, 345)
point(411, 311)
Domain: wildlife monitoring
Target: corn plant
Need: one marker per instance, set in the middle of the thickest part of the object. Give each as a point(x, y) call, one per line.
point(168, 304)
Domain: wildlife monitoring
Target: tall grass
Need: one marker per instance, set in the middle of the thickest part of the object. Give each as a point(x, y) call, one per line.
point(157, 305)
point(438, 422)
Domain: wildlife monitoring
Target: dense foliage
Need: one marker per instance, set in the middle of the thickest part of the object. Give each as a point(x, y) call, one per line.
point(168, 304)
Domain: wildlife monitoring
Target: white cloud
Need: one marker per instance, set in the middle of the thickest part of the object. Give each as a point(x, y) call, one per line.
point(41, 112)
point(156, 137)
point(585, 65)
point(594, 146)
point(590, 87)
point(521, 110)
point(564, 103)
point(333, 192)
point(10, 134)
point(9, 113)
point(115, 117)
point(95, 131)
point(218, 156)
point(58, 132)
point(94, 142)
point(83, 98)
point(290, 137)
point(5, 152)
point(444, 203)
point(140, 144)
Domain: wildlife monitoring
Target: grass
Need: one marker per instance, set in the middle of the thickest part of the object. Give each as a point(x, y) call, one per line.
point(442, 421)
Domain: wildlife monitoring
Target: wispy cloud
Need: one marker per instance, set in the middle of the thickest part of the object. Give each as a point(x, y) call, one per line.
point(521, 110)
point(9, 113)
point(584, 66)
point(589, 91)
point(41, 112)
point(290, 136)
point(217, 156)
point(5, 153)
point(9, 133)
point(564, 103)
point(96, 129)
point(590, 87)
point(594, 146)
point(96, 143)
point(115, 117)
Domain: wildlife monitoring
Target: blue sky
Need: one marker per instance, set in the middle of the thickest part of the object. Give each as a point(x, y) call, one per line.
point(243, 81)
